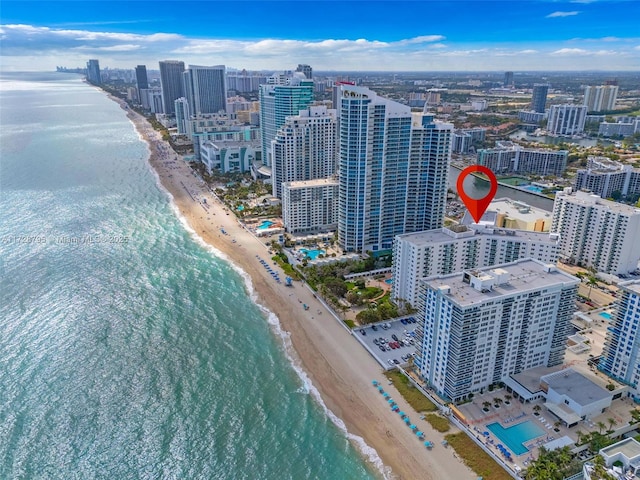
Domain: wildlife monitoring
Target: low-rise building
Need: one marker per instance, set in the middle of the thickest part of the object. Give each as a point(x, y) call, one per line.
point(229, 156)
point(512, 214)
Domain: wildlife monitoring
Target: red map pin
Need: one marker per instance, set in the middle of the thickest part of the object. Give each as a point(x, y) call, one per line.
point(477, 207)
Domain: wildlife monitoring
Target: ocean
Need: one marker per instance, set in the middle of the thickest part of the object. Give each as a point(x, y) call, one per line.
point(129, 349)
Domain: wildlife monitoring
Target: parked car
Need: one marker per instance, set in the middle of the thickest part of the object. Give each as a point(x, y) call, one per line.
point(395, 337)
point(382, 348)
point(374, 328)
point(363, 332)
point(376, 341)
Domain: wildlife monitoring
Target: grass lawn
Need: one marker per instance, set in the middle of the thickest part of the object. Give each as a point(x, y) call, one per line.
point(476, 458)
point(411, 394)
point(439, 423)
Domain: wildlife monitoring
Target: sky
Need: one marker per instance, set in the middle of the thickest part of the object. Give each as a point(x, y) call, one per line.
point(365, 35)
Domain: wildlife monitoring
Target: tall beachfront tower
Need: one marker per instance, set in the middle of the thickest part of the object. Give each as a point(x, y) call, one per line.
point(375, 137)
point(393, 170)
point(478, 327)
point(305, 147)
point(621, 356)
point(427, 183)
point(597, 233)
point(171, 81)
point(142, 82)
point(539, 97)
point(279, 101)
point(93, 72)
point(206, 89)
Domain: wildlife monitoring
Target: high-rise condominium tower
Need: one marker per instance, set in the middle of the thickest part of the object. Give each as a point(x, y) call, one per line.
point(141, 78)
point(93, 72)
point(304, 147)
point(478, 327)
point(205, 89)
point(277, 102)
point(597, 233)
point(539, 97)
point(393, 175)
point(171, 81)
point(600, 98)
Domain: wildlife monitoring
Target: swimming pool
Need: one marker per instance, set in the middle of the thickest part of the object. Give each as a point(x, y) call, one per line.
point(606, 315)
point(264, 225)
point(240, 208)
point(312, 254)
point(532, 188)
point(389, 281)
point(516, 436)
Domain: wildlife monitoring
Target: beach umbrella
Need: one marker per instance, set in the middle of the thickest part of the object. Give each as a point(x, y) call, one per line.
point(374, 382)
point(419, 434)
point(412, 426)
point(386, 395)
point(485, 433)
point(401, 413)
point(406, 420)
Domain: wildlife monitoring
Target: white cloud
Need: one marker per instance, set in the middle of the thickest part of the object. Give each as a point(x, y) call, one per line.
point(21, 44)
point(571, 51)
point(562, 14)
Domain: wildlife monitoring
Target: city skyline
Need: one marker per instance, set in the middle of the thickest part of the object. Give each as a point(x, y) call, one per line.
point(449, 36)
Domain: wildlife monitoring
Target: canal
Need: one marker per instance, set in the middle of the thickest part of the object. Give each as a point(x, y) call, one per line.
point(479, 188)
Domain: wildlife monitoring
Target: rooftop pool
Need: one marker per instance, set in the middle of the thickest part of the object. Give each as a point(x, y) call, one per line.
point(515, 436)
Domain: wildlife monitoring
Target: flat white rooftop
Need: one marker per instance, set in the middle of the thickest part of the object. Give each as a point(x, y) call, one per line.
point(445, 235)
point(524, 275)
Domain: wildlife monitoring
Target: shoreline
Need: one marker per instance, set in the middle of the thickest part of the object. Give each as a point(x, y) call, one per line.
point(321, 351)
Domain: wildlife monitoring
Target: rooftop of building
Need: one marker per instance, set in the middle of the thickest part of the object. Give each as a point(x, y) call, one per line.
point(231, 143)
point(512, 209)
point(530, 379)
point(632, 286)
point(318, 182)
point(576, 386)
point(508, 279)
point(629, 448)
point(585, 198)
point(448, 234)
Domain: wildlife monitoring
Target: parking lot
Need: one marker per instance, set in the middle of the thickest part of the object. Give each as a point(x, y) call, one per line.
point(381, 334)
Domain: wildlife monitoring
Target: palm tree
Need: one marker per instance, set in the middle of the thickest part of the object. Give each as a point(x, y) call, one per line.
point(581, 437)
point(486, 405)
point(612, 422)
point(557, 424)
point(507, 399)
point(498, 401)
point(537, 408)
point(591, 282)
point(600, 426)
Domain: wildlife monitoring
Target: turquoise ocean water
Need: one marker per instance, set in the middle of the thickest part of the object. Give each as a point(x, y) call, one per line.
point(127, 349)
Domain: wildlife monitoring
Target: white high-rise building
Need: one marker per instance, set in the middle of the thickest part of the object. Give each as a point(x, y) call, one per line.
point(280, 100)
point(566, 119)
point(597, 233)
point(393, 170)
point(427, 182)
point(479, 327)
point(448, 250)
point(600, 98)
point(621, 355)
point(305, 148)
point(310, 206)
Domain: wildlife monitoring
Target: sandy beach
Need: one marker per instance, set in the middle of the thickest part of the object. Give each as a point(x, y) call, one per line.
point(334, 361)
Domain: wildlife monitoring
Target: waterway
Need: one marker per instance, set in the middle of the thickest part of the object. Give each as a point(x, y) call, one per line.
point(583, 142)
point(478, 188)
